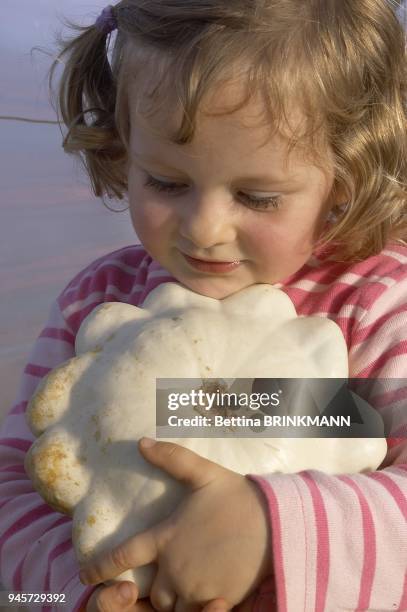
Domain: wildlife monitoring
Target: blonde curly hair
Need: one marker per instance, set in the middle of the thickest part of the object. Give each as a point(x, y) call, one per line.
point(343, 62)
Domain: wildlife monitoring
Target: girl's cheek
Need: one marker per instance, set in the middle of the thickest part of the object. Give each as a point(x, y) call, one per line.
point(266, 233)
point(281, 237)
point(147, 211)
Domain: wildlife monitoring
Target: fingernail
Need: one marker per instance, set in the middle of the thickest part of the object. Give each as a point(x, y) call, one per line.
point(147, 442)
point(125, 592)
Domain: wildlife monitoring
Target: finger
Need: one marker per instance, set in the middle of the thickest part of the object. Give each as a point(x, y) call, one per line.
point(162, 595)
point(134, 552)
point(181, 463)
point(113, 598)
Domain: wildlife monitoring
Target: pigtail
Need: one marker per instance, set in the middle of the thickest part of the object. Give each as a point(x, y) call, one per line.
point(86, 102)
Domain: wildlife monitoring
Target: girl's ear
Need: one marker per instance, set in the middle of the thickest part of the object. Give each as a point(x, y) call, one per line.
point(337, 202)
point(340, 196)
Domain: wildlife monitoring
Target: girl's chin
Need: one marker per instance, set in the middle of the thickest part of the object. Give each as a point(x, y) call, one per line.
point(215, 288)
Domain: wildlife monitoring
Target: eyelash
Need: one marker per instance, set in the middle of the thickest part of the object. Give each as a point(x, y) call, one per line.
point(173, 188)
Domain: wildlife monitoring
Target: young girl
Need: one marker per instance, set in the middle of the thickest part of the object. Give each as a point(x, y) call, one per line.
point(257, 142)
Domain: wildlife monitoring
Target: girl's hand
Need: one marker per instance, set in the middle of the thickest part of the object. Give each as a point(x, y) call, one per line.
point(109, 599)
point(216, 543)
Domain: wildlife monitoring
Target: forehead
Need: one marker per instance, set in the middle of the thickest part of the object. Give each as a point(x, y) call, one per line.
point(219, 128)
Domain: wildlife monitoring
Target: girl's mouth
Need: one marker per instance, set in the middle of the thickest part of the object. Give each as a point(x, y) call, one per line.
point(211, 266)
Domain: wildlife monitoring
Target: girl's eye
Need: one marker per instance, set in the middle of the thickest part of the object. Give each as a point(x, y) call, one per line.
point(174, 189)
point(161, 186)
point(262, 203)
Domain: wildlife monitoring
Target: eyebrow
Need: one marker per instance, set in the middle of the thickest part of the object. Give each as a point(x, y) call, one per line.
point(246, 179)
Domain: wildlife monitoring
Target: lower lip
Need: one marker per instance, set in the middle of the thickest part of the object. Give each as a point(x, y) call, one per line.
point(205, 266)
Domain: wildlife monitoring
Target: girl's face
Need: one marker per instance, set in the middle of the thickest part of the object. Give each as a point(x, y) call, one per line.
point(225, 198)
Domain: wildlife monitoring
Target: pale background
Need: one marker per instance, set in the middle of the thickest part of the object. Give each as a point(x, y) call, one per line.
point(51, 223)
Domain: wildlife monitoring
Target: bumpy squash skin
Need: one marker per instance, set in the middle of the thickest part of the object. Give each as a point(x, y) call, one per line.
point(89, 412)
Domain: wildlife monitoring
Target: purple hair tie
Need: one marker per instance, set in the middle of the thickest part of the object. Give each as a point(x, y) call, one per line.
point(106, 22)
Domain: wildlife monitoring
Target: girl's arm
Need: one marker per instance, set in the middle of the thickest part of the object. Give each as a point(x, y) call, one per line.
point(339, 542)
point(35, 545)
point(35, 541)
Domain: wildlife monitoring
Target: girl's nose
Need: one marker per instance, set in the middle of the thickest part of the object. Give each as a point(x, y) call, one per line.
point(206, 221)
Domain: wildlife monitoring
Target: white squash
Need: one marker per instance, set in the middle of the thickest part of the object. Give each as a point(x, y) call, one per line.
point(89, 412)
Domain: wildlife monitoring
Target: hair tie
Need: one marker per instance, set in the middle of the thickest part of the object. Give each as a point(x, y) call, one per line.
point(106, 22)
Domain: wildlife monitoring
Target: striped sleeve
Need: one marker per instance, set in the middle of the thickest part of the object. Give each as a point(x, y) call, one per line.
point(36, 553)
point(339, 542)
point(379, 357)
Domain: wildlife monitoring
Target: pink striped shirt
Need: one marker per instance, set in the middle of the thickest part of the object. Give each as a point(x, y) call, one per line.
point(338, 542)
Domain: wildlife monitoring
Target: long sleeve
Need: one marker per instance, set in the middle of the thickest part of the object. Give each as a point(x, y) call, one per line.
point(36, 552)
point(339, 542)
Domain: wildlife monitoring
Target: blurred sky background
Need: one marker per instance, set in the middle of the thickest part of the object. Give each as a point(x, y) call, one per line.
point(51, 224)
